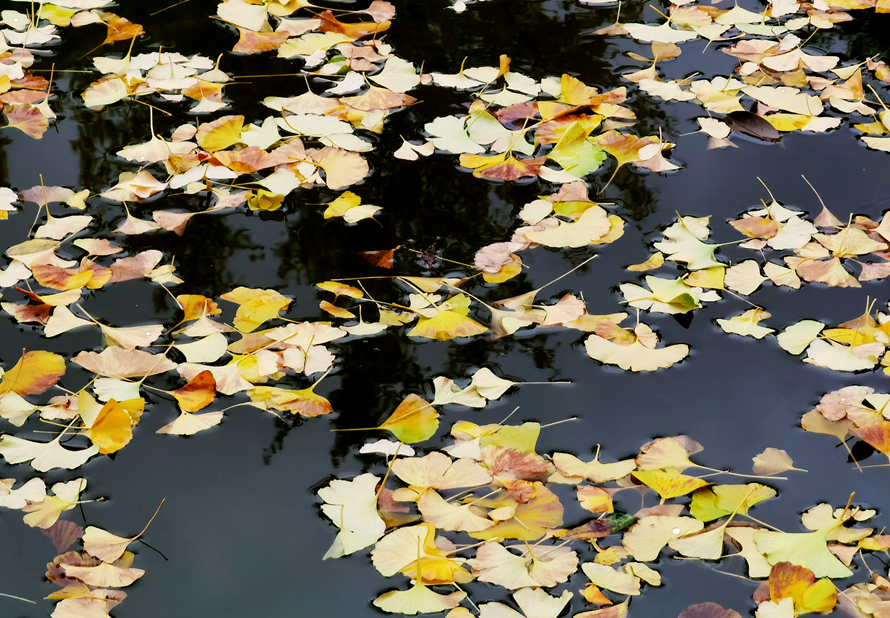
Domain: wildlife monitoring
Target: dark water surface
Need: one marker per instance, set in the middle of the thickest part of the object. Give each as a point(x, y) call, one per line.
point(241, 529)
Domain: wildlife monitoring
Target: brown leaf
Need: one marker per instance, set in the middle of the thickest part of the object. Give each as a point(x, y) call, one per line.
point(752, 124)
point(708, 610)
point(63, 534)
point(251, 42)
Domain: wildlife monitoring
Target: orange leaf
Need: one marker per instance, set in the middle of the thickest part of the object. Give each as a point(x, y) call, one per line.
point(329, 23)
point(383, 259)
point(33, 374)
point(878, 436)
point(197, 394)
point(57, 278)
point(113, 427)
point(244, 161)
point(334, 310)
point(592, 594)
point(196, 306)
point(120, 28)
point(787, 580)
point(251, 42)
point(204, 90)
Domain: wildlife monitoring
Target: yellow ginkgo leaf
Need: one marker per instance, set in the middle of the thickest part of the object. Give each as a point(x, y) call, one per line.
point(448, 321)
point(112, 429)
point(221, 133)
point(412, 549)
point(255, 306)
point(415, 420)
point(669, 483)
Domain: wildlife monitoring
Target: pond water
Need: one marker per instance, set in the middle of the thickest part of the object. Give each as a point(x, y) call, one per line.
point(241, 532)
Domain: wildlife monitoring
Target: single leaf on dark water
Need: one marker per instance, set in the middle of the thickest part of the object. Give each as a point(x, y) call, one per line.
point(708, 610)
point(752, 124)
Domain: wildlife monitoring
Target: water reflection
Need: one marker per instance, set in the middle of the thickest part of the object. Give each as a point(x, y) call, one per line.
point(258, 468)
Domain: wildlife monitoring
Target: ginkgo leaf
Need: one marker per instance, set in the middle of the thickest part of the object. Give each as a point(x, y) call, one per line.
point(668, 452)
point(669, 483)
point(595, 499)
point(448, 133)
point(661, 34)
point(770, 609)
point(449, 320)
point(497, 565)
point(103, 575)
point(448, 516)
point(744, 536)
point(543, 566)
point(197, 394)
point(806, 549)
point(644, 572)
point(188, 424)
point(437, 471)
point(714, 502)
point(447, 392)
point(877, 436)
point(773, 461)
point(745, 277)
point(592, 225)
point(839, 357)
point(206, 350)
point(534, 603)
point(34, 490)
point(593, 471)
point(611, 579)
point(414, 420)
point(682, 245)
point(33, 374)
point(106, 546)
point(666, 295)
point(418, 600)
point(649, 535)
point(305, 402)
point(121, 363)
point(44, 455)
point(531, 519)
point(352, 505)
point(708, 610)
point(747, 324)
point(406, 549)
point(797, 337)
point(798, 583)
point(112, 428)
point(46, 512)
point(132, 337)
point(704, 545)
point(637, 356)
